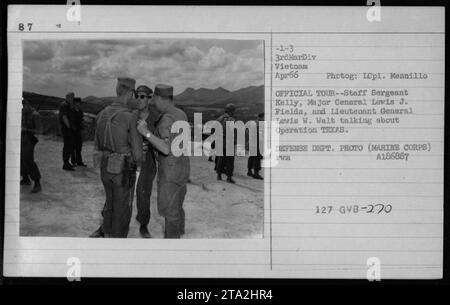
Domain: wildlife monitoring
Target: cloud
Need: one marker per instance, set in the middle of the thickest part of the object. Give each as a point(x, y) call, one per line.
point(37, 51)
point(216, 58)
point(91, 67)
point(158, 50)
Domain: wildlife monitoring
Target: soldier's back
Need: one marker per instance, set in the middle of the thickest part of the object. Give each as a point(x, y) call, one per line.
point(120, 124)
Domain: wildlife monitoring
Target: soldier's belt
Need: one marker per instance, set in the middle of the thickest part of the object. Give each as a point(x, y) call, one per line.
point(107, 153)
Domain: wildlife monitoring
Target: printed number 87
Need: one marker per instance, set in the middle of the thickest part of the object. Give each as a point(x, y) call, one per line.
point(22, 26)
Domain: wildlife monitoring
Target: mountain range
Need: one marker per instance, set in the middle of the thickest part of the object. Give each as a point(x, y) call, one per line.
point(219, 97)
point(249, 101)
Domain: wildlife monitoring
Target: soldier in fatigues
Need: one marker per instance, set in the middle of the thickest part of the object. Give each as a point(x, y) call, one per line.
point(67, 130)
point(31, 124)
point(173, 172)
point(76, 118)
point(254, 162)
point(116, 136)
point(225, 163)
point(148, 168)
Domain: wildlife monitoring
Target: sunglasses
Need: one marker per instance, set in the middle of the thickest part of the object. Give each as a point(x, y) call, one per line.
point(143, 96)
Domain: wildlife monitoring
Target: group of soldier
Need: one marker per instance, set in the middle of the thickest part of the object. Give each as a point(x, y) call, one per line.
point(133, 135)
point(224, 164)
point(70, 119)
point(132, 142)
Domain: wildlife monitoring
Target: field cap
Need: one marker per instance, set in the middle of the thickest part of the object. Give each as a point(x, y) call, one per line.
point(126, 82)
point(164, 90)
point(230, 107)
point(144, 89)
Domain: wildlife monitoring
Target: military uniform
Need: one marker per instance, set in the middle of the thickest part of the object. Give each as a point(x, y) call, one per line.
point(225, 163)
point(76, 118)
point(28, 167)
point(67, 133)
point(121, 142)
point(147, 175)
point(254, 162)
point(173, 173)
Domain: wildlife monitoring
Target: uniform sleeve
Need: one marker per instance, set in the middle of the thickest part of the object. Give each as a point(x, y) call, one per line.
point(37, 122)
point(80, 118)
point(221, 118)
point(135, 139)
point(164, 127)
point(152, 120)
point(63, 109)
point(96, 141)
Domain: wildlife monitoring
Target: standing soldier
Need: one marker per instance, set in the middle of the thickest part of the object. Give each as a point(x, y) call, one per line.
point(148, 168)
point(116, 136)
point(77, 121)
point(225, 164)
point(254, 162)
point(67, 129)
point(31, 124)
point(173, 172)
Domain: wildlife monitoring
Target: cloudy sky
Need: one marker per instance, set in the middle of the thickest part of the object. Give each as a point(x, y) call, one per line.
point(91, 67)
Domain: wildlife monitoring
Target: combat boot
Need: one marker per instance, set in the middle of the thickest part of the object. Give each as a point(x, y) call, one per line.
point(68, 167)
point(36, 188)
point(256, 175)
point(143, 230)
point(98, 233)
point(25, 181)
point(230, 180)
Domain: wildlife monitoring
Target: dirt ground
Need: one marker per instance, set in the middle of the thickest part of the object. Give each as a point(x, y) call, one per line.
point(70, 202)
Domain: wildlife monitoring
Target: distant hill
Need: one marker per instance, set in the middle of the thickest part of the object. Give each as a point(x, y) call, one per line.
point(210, 102)
point(249, 102)
point(94, 104)
point(94, 99)
point(220, 97)
point(201, 95)
point(90, 104)
point(42, 102)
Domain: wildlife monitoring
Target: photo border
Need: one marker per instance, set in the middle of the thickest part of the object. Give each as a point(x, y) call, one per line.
point(216, 282)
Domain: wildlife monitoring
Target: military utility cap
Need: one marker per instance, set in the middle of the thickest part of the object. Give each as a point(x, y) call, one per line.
point(230, 106)
point(144, 89)
point(70, 94)
point(164, 90)
point(126, 82)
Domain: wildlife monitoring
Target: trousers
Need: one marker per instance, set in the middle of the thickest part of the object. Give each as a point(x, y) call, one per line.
point(144, 189)
point(118, 205)
point(28, 167)
point(69, 145)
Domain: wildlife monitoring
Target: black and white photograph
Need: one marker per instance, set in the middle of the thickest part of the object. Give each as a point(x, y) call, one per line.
point(225, 142)
point(96, 159)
